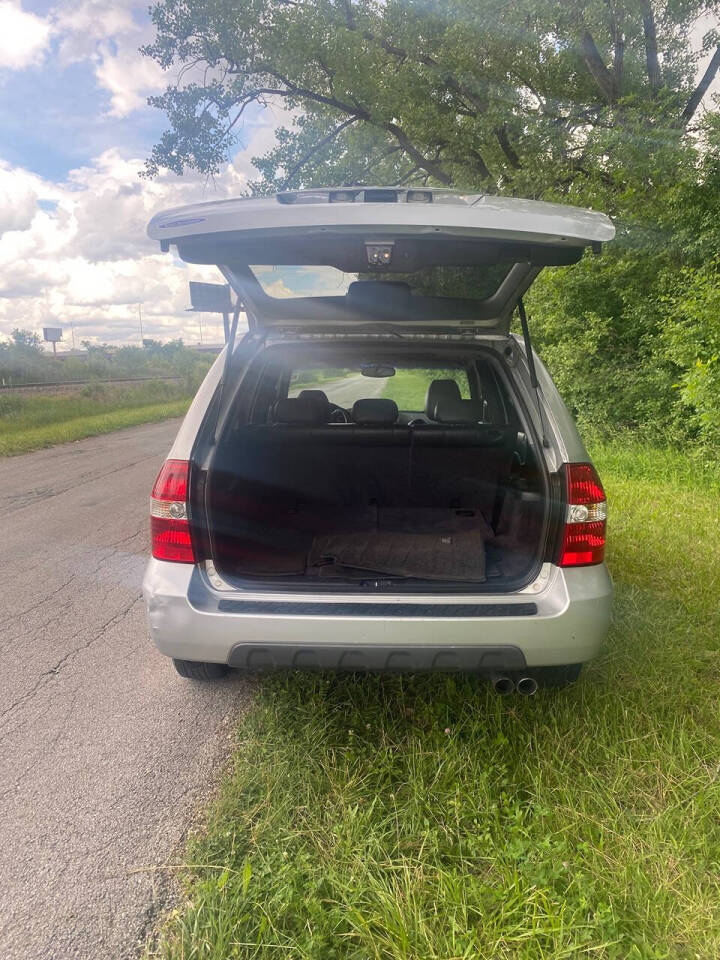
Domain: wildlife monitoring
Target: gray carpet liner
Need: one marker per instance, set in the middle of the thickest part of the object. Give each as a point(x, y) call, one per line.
point(459, 555)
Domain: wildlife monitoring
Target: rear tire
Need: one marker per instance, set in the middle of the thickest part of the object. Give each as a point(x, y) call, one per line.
point(557, 677)
point(196, 670)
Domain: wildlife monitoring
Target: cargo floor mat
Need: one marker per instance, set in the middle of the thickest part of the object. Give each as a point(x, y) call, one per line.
point(428, 556)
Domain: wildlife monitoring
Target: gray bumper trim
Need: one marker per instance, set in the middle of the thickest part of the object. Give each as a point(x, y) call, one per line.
point(308, 608)
point(470, 659)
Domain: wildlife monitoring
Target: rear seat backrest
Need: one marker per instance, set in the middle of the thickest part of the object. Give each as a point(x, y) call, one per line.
point(301, 459)
point(475, 459)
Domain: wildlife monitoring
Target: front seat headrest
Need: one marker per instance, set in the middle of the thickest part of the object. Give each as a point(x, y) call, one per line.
point(440, 391)
point(299, 410)
point(374, 411)
point(459, 411)
point(313, 395)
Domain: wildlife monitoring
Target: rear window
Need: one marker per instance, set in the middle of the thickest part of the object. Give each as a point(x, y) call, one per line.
point(474, 282)
point(344, 385)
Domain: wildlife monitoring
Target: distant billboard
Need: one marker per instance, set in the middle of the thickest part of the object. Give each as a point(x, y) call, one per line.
point(52, 334)
point(210, 297)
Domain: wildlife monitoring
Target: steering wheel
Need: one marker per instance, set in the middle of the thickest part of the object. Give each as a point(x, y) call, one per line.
point(338, 414)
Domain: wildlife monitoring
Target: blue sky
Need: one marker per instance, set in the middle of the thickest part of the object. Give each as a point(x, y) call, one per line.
point(75, 131)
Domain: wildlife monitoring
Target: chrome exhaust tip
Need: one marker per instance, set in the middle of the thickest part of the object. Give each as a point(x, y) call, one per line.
point(527, 686)
point(502, 684)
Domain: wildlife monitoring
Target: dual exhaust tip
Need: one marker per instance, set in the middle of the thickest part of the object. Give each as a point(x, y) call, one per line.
point(504, 685)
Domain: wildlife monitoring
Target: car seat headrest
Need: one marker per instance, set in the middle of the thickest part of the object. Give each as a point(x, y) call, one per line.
point(299, 410)
point(439, 391)
point(374, 411)
point(459, 411)
point(313, 395)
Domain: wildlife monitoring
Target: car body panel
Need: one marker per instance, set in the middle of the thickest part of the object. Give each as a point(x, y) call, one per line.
point(524, 235)
point(476, 215)
point(188, 604)
point(572, 619)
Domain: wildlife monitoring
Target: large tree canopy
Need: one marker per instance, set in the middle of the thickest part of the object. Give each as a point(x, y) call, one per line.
point(526, 96)
point(595, 102)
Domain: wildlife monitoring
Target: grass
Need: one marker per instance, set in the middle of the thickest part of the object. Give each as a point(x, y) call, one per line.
point(31, 421)
point(408, 388)
point(424, 817)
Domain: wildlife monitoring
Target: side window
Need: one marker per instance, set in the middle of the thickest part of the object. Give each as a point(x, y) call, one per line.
point(500, 407)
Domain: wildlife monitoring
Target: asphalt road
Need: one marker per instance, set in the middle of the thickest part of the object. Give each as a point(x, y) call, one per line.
point(105, 754)
point(346, 391)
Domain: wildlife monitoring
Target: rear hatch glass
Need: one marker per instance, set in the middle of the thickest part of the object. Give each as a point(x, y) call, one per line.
point(285, 282)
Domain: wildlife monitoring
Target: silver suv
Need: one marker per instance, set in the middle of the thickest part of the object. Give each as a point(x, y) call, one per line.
point(378, 475)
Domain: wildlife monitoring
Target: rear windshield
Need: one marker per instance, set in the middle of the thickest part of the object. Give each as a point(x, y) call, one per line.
point(475, 281)
point(344, 385)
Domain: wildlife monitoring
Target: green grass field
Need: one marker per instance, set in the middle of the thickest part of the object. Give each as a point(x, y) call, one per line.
point(425, 817)
point(31, 421)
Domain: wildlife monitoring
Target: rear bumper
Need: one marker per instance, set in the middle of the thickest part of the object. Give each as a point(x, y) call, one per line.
point(561, 618)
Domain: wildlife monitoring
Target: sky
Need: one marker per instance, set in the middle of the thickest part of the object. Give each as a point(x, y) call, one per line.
point(74, 134)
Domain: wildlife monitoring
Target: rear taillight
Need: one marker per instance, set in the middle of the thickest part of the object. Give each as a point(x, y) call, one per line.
point(585, 518)
point(169, 525)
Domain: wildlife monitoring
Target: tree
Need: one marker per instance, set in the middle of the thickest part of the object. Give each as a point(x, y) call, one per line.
point(26, 341)
point(538, 97)
point(594, 102)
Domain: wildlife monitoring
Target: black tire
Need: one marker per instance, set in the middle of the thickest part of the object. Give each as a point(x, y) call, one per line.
point(557, 677)
point(196, 670)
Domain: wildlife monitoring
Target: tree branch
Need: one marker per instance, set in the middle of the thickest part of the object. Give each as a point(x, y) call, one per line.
point(479, 102)
point(700, 90)
point(318, 146)
point(507, 148)
point(431, 166)
point(378, 159)
point(249, 98)
point(349, 14)
point(651, 50)
point(482, 166)
point(360, 113)
point(405, 177)
point(618, 49)
point(596, 65)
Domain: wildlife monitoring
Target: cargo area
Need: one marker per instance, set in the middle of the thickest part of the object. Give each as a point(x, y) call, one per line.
point(368, 467)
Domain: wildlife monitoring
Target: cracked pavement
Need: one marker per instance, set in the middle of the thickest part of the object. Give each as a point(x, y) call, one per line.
point(105, 753)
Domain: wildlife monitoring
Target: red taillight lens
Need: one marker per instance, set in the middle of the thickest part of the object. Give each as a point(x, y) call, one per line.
point(584, 484)
point(585, 521)
point(169, 525)
point(171, 483)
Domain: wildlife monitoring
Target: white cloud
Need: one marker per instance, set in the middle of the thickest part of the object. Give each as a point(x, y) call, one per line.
point(18, 201)
point(108, 35)
point(76, 251)
point(23, 36)
point(83, 24)
point(129, 78)
point(88, 261)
